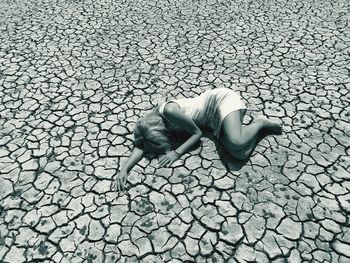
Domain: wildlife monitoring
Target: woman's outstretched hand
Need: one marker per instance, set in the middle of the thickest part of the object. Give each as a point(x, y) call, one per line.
point(168, 159)
point(120, 181)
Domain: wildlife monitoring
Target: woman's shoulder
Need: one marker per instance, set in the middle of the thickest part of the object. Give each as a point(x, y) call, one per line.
point(168, 105)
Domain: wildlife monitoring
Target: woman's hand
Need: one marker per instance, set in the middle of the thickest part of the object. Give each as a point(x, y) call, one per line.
point(120, 181)
point(168, 159)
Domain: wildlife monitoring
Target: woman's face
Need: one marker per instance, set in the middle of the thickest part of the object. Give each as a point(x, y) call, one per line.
point(152, 134)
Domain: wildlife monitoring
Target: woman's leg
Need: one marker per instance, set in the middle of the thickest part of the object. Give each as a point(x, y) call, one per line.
point(242, 114)
point(240, 139)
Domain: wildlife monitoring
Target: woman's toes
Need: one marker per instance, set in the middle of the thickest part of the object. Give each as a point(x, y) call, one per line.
point(275, 126)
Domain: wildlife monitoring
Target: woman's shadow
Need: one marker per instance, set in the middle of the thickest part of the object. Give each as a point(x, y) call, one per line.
point(231, 164)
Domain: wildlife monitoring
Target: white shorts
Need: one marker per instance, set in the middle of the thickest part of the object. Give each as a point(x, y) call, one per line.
point(228, 101)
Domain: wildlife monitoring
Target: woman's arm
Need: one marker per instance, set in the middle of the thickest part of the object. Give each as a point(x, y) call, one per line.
point(173, 113)
point(134, 158)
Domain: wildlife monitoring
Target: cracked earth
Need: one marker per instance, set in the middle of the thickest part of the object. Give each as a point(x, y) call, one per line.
point(76, 75)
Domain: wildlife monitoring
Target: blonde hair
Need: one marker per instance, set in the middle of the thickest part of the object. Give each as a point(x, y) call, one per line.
point(151, 134)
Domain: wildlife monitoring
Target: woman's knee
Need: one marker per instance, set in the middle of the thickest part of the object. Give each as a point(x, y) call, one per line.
point(232, 129)
point(234, 142)
point(239, 155)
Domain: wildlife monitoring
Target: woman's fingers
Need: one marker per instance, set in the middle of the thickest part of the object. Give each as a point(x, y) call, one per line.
point(124, 182)
point(122, 185)
point(119, 183)
point(115, 185)
point(170, 163)
point(165, 164)
point(166, 161)
point(163, 158)
point(163, 161)
point(118, 186)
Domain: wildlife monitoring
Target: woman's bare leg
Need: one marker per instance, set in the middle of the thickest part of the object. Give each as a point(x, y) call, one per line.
point(240, 139)
point(246, 152)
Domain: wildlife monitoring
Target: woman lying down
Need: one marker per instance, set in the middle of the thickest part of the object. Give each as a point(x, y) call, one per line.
point(220, 110)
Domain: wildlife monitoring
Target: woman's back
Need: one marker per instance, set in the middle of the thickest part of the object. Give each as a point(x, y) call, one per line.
point(208, 109)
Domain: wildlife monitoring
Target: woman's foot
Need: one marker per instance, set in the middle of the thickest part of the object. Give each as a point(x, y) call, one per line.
point(274, 126)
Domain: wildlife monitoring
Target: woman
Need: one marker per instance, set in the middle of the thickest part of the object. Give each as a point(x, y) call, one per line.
point(221, 110)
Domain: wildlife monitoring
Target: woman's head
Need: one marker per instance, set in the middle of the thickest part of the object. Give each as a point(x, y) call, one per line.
point(151, 134)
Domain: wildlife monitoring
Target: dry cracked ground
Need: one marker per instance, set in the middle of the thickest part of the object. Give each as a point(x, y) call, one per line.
point(76, 75)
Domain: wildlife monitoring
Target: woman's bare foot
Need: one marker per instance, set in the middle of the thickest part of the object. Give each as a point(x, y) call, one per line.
point(274, 126)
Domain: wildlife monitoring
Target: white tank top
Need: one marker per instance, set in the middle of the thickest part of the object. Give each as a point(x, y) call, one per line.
point(203, 109)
